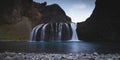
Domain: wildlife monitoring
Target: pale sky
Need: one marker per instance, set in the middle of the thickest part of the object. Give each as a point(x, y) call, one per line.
point(78, 10)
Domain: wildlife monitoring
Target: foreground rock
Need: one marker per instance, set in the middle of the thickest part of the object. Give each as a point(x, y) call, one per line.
point(44, 56)
point(103, 24)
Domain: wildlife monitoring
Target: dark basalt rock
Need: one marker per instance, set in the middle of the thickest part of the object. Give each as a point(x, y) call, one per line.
point(52, 14)
point(13, 13)
point(103, 24)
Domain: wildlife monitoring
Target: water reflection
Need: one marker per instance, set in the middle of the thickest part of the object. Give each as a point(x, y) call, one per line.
point(60, 47)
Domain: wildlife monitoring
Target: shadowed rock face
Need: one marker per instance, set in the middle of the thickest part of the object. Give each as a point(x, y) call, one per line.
point(11, 11)
point(28, 13)
point(103, 24)
point(47, 14)
point(54, 13)
point(14, 22)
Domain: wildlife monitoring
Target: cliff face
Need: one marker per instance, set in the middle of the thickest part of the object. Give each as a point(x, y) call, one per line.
point(103, 24)
point(18, 17)
point(54, 13)
point(11, 11)
point(48, 14)
point(14, 24)
point(56, 23)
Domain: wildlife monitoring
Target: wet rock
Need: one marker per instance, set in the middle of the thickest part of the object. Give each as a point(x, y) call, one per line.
point(71, 56)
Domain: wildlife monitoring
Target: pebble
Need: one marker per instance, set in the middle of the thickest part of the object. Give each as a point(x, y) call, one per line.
point(45, 56)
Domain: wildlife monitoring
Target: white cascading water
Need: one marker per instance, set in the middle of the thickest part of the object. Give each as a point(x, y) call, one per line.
point(74, 35)
point(68, 29)
point(34, 32)
point(57, 31)
point(42, 35)
point(52, 30)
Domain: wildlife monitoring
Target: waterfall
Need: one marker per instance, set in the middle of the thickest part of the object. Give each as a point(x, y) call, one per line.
point(42, 36)
point(34, 32)
point(60, 31)
point(74, 35)
point(54, 31)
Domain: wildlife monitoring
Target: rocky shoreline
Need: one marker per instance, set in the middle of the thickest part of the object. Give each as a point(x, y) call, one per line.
point(70, 56)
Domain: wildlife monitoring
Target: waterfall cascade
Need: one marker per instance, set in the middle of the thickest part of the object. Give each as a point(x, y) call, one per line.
point(54, 32)
point(74, 35)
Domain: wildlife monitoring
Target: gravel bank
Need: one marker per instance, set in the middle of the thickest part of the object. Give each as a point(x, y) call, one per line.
point(45, 56)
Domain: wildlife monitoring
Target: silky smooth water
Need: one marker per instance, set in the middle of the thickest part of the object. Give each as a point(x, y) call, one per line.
point(56, 31)
point(60, 47)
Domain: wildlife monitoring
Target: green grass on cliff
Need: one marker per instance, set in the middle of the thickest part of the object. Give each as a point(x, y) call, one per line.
point(8, 33)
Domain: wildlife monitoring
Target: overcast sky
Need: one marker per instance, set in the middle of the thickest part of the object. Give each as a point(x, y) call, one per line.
point(78, 10)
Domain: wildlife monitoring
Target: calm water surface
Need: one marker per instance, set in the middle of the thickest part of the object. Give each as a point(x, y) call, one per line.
point(60, 47)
